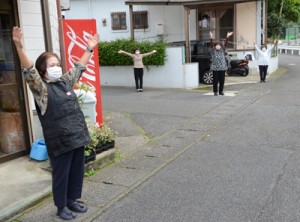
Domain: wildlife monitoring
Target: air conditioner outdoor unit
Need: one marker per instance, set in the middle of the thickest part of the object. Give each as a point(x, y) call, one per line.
point(64, 5)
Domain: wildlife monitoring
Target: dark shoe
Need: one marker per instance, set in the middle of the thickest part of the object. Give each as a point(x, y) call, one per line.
point(77, 207)
point(141, 90)
point(216, 94)
point(66, 214)
point(221, 93)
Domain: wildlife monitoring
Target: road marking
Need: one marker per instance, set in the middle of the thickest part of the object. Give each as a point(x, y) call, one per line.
point(227, 93)
point(292, 64)
point(236, 83)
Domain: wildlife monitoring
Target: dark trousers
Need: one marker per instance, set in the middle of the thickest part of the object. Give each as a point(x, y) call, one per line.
point(138, 77)
point(67, 176)
point(218, 78)
point(263, 69)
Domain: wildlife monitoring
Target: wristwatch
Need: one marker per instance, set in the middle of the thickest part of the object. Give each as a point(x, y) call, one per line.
point(89, 49)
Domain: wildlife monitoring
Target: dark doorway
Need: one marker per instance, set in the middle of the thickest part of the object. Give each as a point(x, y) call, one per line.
point(13, 126)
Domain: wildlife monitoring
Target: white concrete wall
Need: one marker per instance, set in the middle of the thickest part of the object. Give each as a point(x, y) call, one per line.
point(253, 66)
point(32, 27)
point(174, 74)
point(173, 25)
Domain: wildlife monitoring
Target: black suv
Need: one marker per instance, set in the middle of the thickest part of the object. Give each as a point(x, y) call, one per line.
point(200, 52)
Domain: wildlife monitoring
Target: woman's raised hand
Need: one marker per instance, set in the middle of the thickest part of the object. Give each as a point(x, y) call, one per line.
point(211, 35)
point(229, 34)
point(17, 36)
point(154, 51)
point(120, 51)
point(93, 41)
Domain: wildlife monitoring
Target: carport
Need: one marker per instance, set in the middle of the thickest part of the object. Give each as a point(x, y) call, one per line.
point(187, 5)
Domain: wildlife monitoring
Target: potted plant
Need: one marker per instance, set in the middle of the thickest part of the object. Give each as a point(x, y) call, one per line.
point(105, 135)
point(90, 149)
point(102, 138)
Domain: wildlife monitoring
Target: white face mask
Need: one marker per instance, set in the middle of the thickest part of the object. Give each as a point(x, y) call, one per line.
point(264, 49)
point(137, 52)
point(54, 73)
point(218, 47)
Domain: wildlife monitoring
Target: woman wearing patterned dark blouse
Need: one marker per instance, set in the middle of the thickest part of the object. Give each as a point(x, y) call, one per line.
point(62, 120)
point(218, 64)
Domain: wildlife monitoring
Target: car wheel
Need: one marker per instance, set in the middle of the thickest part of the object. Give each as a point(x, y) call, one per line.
point(208, 77)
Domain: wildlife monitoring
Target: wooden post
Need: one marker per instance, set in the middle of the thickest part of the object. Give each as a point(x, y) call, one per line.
point(131, 22)
point(187, 34)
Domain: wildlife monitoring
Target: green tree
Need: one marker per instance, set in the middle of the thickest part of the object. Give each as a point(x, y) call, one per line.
point(275, 25)
point(280, 13)
point(287, 9)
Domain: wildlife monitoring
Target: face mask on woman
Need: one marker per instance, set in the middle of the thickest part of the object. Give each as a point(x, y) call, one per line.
point(137, 52)
point(218, 47)
point(54, 73)
point(264, 49)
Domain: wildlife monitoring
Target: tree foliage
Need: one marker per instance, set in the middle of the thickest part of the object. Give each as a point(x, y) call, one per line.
point(275, 25)
point(280, 13)
point(290, 9)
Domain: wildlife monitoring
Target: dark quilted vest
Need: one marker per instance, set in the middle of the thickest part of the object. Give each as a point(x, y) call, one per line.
point(63, 124)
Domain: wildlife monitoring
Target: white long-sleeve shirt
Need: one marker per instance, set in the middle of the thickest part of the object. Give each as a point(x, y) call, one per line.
point(263, 57)
point(138, 58)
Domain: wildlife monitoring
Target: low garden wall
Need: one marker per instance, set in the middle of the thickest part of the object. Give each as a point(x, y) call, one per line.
point(174, 74)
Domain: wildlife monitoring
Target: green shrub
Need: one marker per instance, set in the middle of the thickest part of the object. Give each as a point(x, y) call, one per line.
point(109, 56)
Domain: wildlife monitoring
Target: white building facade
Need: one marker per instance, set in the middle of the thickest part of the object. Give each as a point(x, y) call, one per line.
point(154, 20)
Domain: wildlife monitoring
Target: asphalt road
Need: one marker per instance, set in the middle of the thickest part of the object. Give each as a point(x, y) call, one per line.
point(235, 158)
point(186, 155)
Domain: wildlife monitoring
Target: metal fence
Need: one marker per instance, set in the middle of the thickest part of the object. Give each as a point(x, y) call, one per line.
point(289, 49)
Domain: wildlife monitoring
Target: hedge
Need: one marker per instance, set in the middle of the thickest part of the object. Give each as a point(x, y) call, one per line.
point(109, 56)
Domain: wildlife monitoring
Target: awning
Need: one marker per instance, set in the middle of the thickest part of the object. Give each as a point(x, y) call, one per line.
point(187, 3)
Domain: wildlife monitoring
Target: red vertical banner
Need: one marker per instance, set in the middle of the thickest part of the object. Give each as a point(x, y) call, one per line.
point(76, 34)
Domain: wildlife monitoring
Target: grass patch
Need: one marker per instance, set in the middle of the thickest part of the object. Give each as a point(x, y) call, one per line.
point(279, 72)
point(203, 88)
point(118, 156)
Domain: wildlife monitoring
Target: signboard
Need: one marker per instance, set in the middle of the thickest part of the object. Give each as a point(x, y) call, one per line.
point(76, 34)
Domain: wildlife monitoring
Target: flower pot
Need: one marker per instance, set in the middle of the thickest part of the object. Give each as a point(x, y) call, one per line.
point(90, 158)
point(104, 147)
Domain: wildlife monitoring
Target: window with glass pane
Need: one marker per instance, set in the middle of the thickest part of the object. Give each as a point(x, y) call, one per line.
point(118, 21)
point(140, 20)
point(219, 21)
